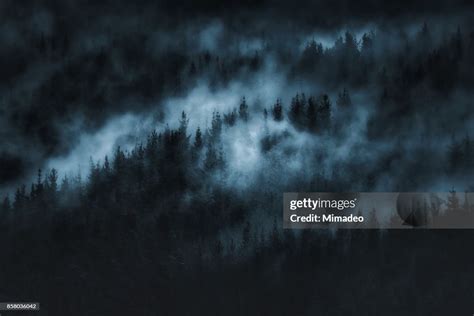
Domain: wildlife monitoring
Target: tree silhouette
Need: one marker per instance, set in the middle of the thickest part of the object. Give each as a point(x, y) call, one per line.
point(198, 139)
point(277, 111)
point(243, 110)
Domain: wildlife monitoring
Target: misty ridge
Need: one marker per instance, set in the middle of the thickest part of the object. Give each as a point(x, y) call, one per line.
point(145, 150)
point(407, 92)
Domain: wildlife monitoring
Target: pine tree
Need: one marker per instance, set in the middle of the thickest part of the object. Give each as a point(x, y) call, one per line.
point(183, 125)
point(324, 112)
point(277, 111)
point(221, 158)
point(367, 44)
point(94, 174)
point(211, 159)
point(78, 185)
point(106, 167)
point(17, 203)
point(65, 186)
point(198, 139)
point(39, 183)
point(33, 193)
point(296, 109)
point(311, 115)
point(216, 126)
point(119, 160)
point(230, 118)
point(53, 181)
point(350, 43)
point(243, 110)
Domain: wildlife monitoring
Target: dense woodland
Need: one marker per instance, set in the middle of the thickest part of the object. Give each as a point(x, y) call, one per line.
point(172, 226)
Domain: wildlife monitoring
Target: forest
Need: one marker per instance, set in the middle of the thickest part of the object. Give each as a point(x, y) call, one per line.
point(143, 160)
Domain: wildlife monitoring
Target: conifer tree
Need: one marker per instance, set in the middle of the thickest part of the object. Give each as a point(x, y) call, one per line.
point(198, 139)
point(243, 110)
point(277, 111)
